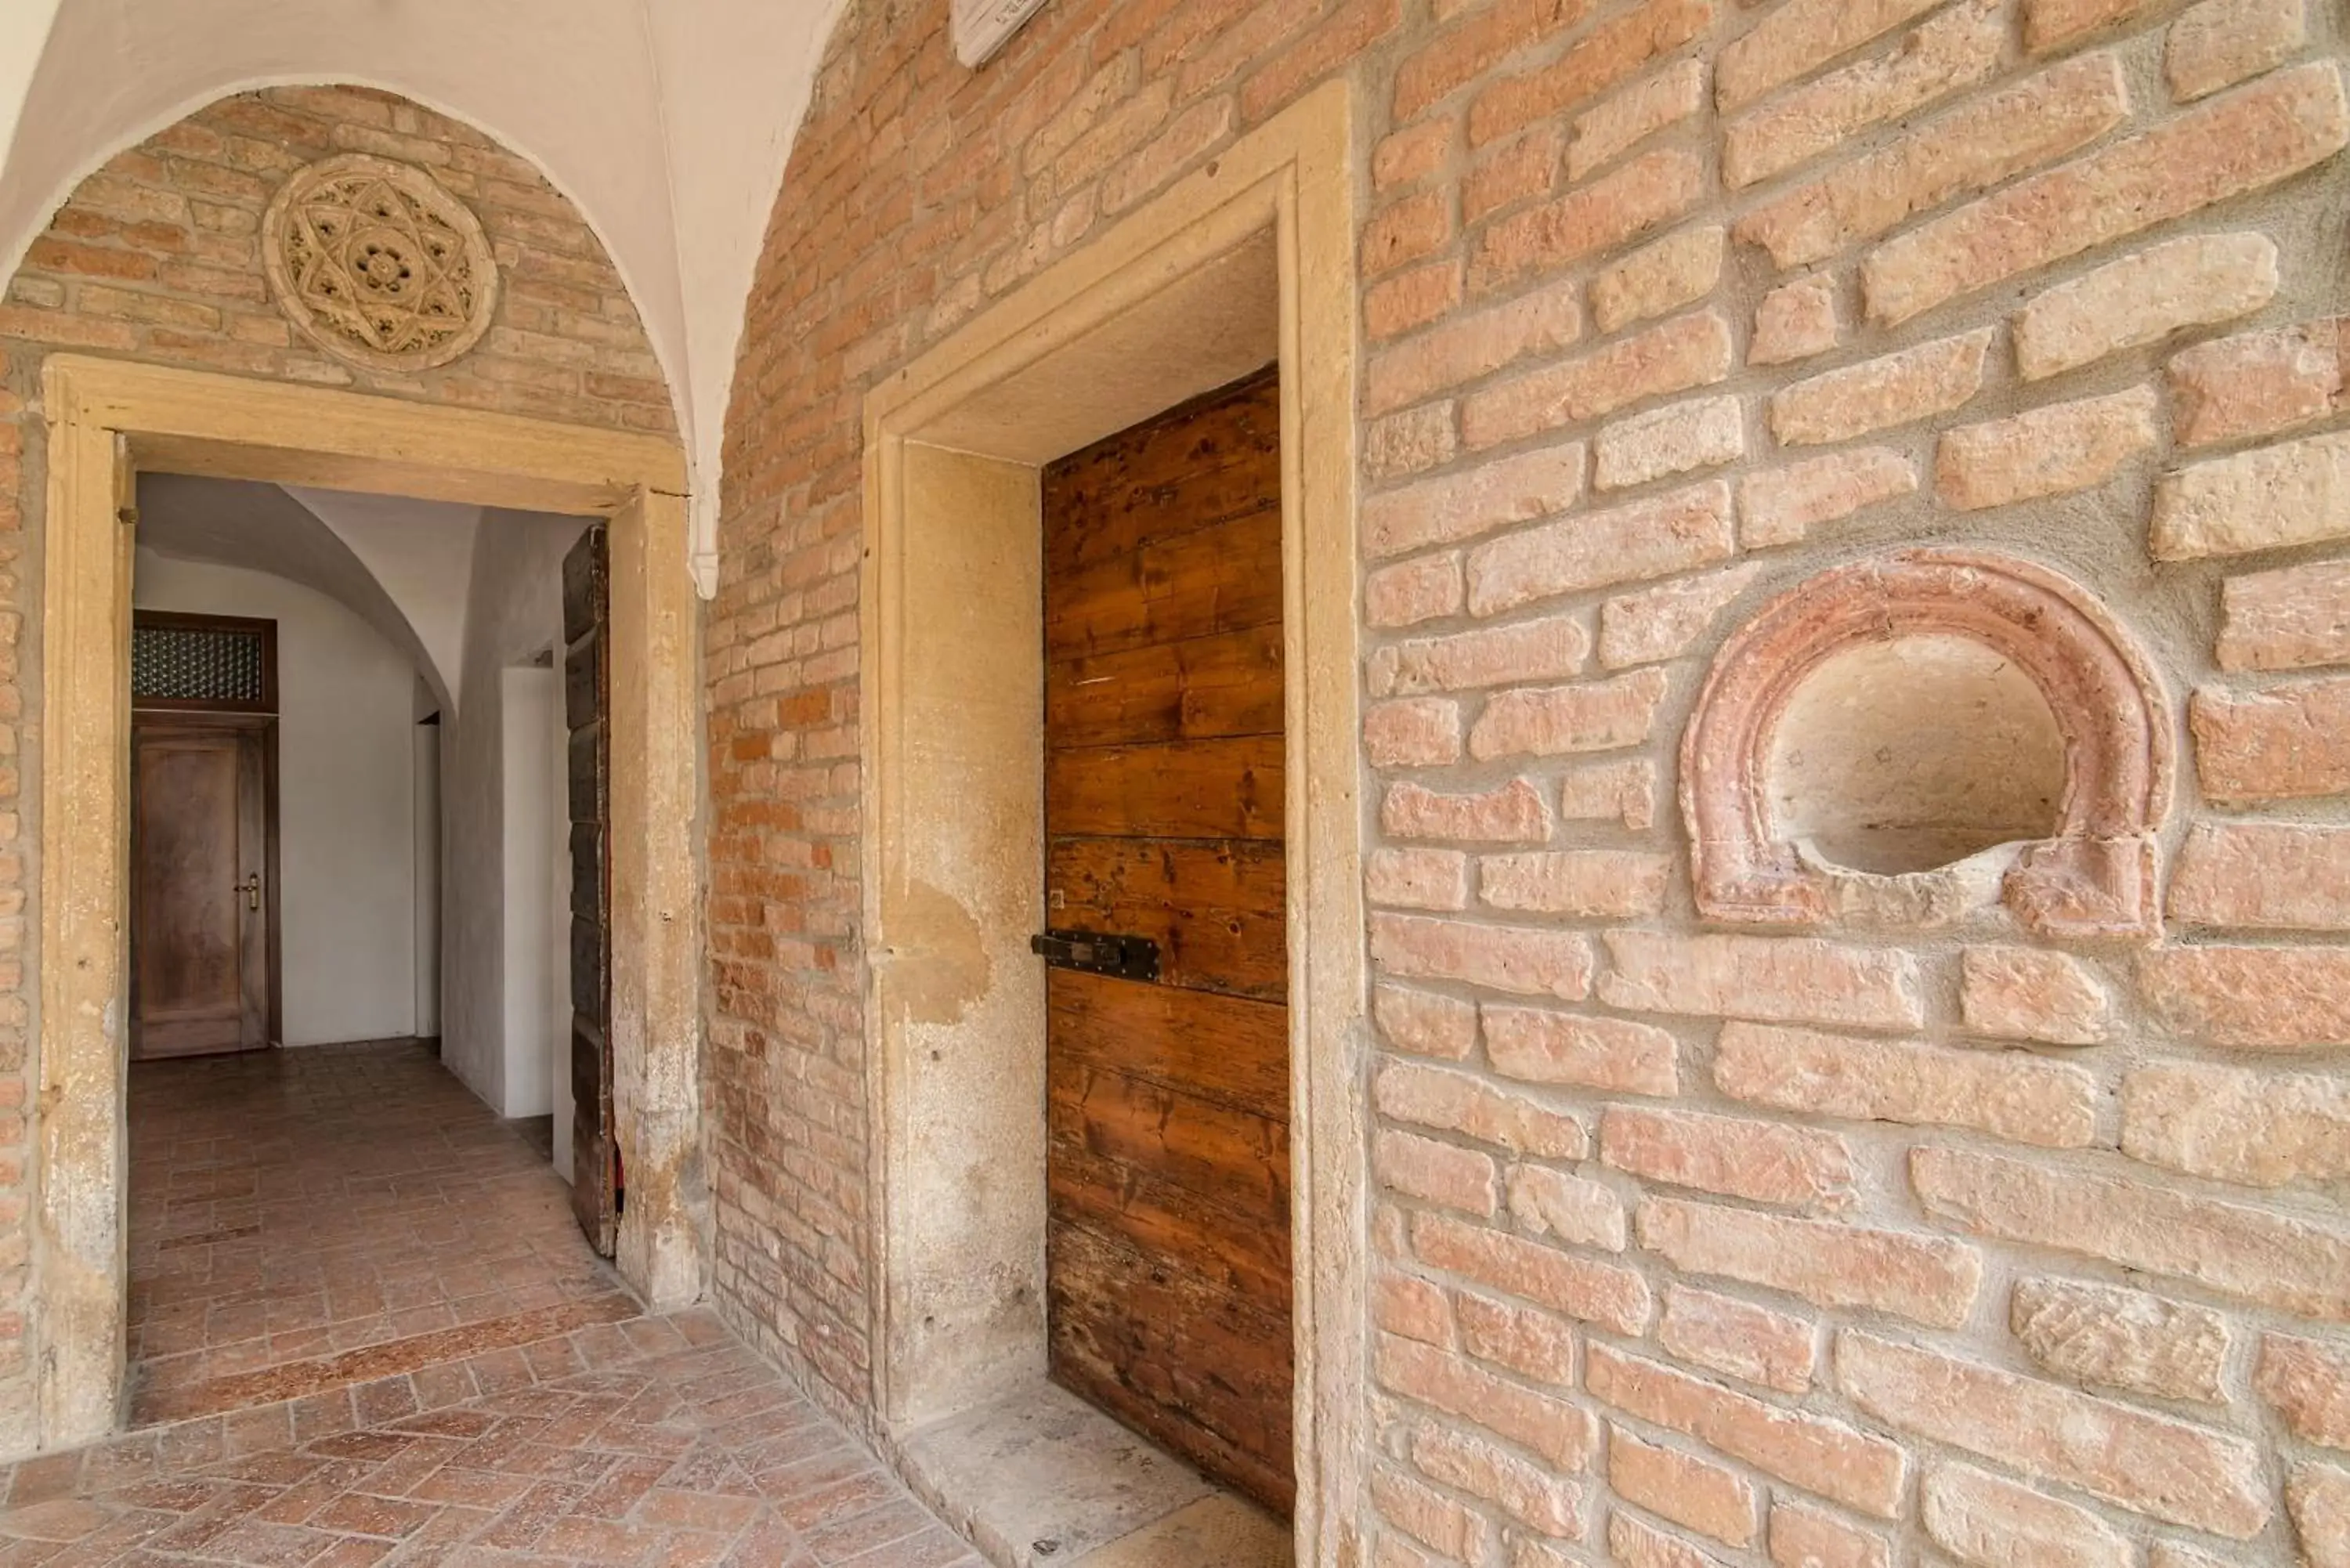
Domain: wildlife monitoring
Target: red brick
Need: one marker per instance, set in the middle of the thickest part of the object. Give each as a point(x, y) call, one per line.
point(1803, 1537)
point(1633, 115)
point(1796, 980)
point(1692, 350)
point(2049, 23)
point(1548, 650)
point(2007, 1094)
point(1782, 506)
point(1505, 957)
point(1525, 1339)
point(2259, 383)
point(2121, 1338)
point(1394, 305)
point(1513, 812)
point(1722, 1334)
point(1560, 1432)
point(1704, 433)
point(2051, 451)
point(1413, 591)
point(1985, 140)
point(2218, 43)
point(1989, 1522)
point(1471, 346)
point(2291, 619)
point(1454, 59)
point(1424, 1022)
point(1814, 1452)
point(1417, 879)
point(1796, 321)
point(2252, 1254)
point(2032, 993)
point(1547, 1047)
point(1665, 275)
point(1572, 1209)
point(1655, 537)
point(1608, 53)
point(1955, 50)
point(1925, 1279)
point(1664, 622)
point(1653, 189)
point(2195, 280)
point(1455, 1102)
point(1421, 732)
point(1614, 1297)
point(1898, 388)
point(1555, 721)
point(2246, 141)
point(2263, 1129)
point(1437, 1172)
point(1765, 1162)
point(1520, 171)
point(2307, 1382)
point(2263, 876)
point(2286, 743)
point(1578, 884)
point(1705, 1496)
point(1532, 1496)
point(1460, 507)
point(2174, 1471)
point(2296, 493)
point(1797, 38)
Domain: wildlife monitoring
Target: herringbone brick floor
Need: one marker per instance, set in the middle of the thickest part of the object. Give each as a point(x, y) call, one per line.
point(559, 1430)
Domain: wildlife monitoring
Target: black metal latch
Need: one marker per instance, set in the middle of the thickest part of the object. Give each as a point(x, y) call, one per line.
point(1128, 957)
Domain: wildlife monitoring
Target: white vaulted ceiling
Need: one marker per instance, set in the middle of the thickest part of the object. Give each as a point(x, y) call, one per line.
point(666, 121)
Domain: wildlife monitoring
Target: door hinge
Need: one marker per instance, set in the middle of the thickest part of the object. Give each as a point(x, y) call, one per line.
point(126, 516)
point(1093, 952)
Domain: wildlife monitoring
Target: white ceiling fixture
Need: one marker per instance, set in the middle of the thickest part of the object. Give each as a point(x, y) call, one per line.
point(667, 123)
point(983, 27)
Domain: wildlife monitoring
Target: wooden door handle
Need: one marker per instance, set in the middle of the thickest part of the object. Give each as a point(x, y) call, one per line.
point(251, 889)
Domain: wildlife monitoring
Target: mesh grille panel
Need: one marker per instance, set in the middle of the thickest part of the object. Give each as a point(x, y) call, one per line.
point(209, 664)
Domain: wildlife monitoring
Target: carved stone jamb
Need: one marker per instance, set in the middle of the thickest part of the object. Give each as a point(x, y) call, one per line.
point(378, 263)
point(2093, 877)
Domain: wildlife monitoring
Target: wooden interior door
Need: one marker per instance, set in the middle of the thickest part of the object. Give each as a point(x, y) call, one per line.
point(1168, 1234)
point(596, 1175)
point(201, 901)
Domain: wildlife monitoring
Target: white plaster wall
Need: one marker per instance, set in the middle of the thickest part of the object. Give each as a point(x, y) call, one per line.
point(531, 697)
point(420, 552)
point(425, 741)
point(514, 612)
point(347, 894)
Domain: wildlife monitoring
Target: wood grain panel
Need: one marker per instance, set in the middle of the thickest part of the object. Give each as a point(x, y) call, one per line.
point(1175, 789)
point(1228, 684)
point(1224, 578)
point(1216, 909)
point(1167, 1110)
point(1143, 1340)
point(1214, 459)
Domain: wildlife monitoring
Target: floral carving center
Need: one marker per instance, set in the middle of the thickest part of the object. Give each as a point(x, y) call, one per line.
point(378, 264)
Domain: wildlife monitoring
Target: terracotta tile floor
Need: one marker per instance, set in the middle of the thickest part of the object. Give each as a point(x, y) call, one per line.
point(367, 1332)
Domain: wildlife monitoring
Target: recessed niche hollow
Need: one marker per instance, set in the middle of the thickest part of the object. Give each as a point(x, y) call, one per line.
point(1860, 744)
point(1906, 755)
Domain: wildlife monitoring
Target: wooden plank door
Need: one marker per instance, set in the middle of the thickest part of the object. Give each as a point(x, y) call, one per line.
point(199, 899)
point(1168, 1233)
point(596, 1175)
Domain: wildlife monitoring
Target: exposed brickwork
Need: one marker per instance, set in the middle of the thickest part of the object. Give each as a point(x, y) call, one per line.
point(156, 257)
point(1670, 305)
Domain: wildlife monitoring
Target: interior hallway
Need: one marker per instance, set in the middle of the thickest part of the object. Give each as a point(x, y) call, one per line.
point(365, 1329)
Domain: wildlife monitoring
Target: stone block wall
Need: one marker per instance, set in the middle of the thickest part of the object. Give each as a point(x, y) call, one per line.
point(1873, 1219)
point(156, 257)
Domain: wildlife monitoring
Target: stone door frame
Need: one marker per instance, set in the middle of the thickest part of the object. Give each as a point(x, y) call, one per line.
point(1247, 259)
point(109, 421)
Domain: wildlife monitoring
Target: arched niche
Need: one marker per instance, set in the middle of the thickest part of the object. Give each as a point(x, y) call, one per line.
point(2016, 684)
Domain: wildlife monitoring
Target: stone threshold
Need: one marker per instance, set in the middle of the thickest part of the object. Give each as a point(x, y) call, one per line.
point(1039, 1479)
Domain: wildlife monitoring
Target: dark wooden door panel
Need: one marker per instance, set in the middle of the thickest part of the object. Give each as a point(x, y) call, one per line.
point(1113, 499)
point(1142, 1338)
point(1217, 909)
point(1175, 789)
point(199, 899)
point(1222, 1048)
point(1223, 578)
point(1167, 1104)
point(596, 1175)
point(1227, 684)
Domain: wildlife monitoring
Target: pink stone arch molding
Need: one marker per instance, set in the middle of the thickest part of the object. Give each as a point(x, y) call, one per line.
point(2094, 876)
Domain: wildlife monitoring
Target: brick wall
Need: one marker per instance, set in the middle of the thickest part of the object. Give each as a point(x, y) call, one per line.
point(155, 257)
point(1694, 1244)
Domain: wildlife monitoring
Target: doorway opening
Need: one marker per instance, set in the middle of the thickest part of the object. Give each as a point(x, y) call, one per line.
point(114, 767)
point(999, 1267)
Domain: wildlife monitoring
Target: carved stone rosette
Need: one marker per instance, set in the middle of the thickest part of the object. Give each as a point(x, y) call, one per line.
point(378, 264)
point(2093, 877)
